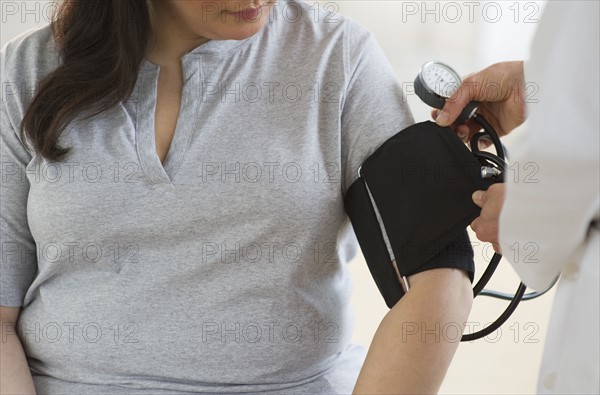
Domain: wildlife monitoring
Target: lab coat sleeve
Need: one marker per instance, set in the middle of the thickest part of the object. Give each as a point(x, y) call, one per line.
point(552, 186)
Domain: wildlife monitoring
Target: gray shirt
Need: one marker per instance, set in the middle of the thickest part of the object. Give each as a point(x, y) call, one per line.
point(225, 269)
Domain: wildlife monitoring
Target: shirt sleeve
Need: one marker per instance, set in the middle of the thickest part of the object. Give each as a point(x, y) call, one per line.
point(374, 110)
point(552, 188)
point(374, 106)
point(18, 262)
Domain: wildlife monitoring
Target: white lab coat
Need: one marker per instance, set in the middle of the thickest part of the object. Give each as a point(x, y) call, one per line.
point(551, 200)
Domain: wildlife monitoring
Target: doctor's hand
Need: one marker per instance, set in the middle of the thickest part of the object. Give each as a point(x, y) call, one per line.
point(486, 225)
point(499, 88)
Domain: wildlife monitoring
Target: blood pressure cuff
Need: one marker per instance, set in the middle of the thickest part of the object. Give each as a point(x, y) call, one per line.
point(420, 183)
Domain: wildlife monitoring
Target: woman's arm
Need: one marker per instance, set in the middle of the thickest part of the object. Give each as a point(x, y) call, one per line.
point(415, 342)
point(15, 376)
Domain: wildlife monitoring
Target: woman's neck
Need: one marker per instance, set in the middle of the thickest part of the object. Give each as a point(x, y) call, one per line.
point(170, 39)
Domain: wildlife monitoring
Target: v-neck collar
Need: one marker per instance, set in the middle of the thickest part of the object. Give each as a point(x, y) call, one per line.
point(157, 172)
point(218, 48)
point(187, 121)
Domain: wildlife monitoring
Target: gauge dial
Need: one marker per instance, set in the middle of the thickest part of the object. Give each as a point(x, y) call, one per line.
point(436, 83)
point(440, 79)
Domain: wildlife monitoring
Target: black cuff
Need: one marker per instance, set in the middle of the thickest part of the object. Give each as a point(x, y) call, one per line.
point(458, 255)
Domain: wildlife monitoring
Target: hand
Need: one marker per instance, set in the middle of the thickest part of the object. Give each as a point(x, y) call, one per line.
point(501, 90)
point(486, 225)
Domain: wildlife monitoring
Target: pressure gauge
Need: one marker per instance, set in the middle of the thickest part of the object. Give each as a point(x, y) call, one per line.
point(437, 82)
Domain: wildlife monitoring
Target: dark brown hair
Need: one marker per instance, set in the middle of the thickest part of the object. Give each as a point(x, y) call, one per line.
point(101, 44)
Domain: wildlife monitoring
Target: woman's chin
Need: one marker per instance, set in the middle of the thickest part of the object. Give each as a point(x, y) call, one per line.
point(241, 32)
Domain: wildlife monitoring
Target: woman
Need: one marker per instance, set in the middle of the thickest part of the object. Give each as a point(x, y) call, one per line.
point(193, 237)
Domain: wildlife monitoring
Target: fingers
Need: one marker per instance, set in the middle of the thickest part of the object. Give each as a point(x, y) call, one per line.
point(483, 144)
point(486, 234)
point(504, 105)
point(454, 106)
point(495, 194)
point(482, 230)
point(478, 226)
point(486, 225)
point(465, 132)
point(479, 198)
point(497, 248)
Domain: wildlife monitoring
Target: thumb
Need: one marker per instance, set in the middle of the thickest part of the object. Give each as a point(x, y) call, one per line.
point(478, 198)
point(454, 106)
